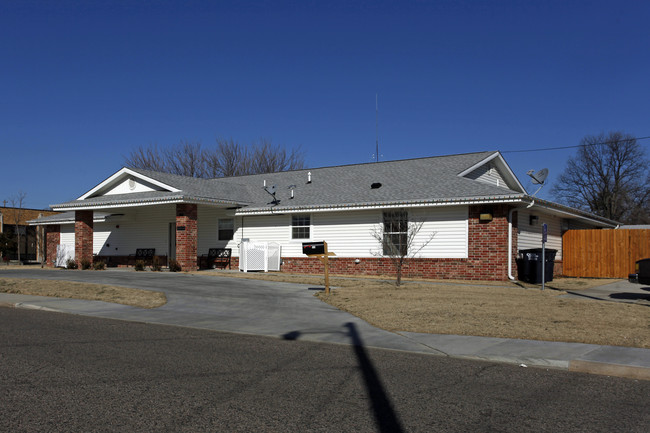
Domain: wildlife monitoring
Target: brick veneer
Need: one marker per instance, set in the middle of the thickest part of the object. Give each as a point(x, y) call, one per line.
point(83, 236)
point(186, 239)
point(487, 255)
point(52, 241)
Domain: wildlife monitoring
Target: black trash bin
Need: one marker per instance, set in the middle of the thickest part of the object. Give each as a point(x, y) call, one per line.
point(530, 262)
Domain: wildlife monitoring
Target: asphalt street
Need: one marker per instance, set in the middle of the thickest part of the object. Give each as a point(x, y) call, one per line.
point(63, 372)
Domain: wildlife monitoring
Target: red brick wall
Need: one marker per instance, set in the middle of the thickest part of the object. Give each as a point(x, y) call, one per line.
point(52, 241)
point(187, 238)
point(487, 255)
point(83, 235)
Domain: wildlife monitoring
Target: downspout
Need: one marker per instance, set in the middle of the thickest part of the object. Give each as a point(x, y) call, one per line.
point(510, 212)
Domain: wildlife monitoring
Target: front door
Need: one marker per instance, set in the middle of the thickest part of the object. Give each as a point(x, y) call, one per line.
point(171, 247)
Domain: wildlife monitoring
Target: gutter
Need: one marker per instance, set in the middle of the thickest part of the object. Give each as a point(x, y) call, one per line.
point(378, 205)
point(85, 205)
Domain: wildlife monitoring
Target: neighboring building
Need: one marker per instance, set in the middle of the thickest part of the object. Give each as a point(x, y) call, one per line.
point(478, 209)
point(30, 237)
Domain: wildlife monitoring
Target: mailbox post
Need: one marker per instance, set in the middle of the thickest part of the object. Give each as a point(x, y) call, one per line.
point(319, 249)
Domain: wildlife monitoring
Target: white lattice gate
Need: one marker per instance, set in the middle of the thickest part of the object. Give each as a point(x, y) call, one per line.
point(259, 256)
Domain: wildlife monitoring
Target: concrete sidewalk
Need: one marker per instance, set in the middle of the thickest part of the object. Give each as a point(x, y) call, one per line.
point(587, 358)
point(290, 311)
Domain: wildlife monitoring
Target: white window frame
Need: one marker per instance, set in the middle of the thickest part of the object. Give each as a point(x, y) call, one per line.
point(405, 232)
point(219, 229)
point(309, 226)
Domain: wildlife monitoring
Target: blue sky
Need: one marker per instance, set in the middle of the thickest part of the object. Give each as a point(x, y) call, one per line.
point(83, 82)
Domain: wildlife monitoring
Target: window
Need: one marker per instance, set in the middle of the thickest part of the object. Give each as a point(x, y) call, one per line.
point(226, 229)
point(396, 227)
point(300, 225)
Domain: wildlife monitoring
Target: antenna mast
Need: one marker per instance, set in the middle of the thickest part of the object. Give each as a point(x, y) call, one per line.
point(377, 127)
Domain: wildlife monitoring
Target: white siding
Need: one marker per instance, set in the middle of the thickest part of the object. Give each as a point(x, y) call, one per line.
point(488, 173)
point(530, 236)
point(271, 228)
point(67, 235)
point(349, 234)
point(125, 187)
point(101, 233)
point(451, 232)
point(142, 227)
point(209, 229)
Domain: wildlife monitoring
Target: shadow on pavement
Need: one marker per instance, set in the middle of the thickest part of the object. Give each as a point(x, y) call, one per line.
point(385, 416)
point(631, 296)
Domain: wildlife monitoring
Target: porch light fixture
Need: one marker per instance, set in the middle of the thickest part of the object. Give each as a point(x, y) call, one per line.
point(485, 217)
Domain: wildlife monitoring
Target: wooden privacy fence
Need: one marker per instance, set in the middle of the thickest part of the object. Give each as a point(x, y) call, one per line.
point(603, 253)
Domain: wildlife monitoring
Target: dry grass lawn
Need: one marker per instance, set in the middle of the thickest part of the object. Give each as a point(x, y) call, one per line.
point(491, 309)
point(92, 292)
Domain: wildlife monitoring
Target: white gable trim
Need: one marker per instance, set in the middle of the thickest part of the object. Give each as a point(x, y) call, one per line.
point(123, 173)
point(508, 174)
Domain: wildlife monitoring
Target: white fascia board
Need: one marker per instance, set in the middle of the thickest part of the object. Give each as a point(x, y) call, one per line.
point(509, 174)
point(568, 212)
point(174, 200)
point(63, 222)
point(127, 171)
point(374, 206)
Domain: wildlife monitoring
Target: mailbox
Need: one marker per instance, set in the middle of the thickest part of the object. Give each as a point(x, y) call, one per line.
point(312, 248)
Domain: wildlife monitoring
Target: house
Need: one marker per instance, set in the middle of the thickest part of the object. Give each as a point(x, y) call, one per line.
point(477, 209)
point(16, 218)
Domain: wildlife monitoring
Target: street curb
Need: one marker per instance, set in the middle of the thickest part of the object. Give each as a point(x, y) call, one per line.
point(608, 369)
point(24, 306)
point(527, 358)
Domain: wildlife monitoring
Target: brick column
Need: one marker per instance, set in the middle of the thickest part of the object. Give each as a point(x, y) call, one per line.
point(52, 241)
point(488, 243)
point(83, 235)
point(186, 236)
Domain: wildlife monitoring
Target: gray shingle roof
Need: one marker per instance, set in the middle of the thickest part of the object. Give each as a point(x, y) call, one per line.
point(415, 180)
point(424, 180)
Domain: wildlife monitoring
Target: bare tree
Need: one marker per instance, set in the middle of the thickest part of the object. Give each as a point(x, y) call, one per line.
point(186, 159)
point(147, 158)
point(398, 237)
point(608, 176)
point(17, 202)
point(227, 158)
point(269, 158)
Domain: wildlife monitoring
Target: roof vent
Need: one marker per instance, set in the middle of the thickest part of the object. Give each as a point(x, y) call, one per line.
point(309, 177)
point(375, 185)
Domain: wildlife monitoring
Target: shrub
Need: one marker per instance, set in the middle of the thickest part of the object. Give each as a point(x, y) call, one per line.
point(156, 266)
point(99, 265)
point(139, 265)
point(71, 264)
point(85, 264)
point(174, 266)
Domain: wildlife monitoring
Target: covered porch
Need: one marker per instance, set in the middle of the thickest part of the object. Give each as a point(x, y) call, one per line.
point(114, 235)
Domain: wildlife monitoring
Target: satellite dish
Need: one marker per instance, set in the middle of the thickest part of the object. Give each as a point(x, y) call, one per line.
point(539, 177)
point(271, 190)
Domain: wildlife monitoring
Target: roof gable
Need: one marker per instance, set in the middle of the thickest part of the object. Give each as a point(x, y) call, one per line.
point(494, 170)
point(127, 181)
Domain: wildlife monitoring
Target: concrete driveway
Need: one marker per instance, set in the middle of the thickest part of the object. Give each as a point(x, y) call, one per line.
point(620, 291)
point(224, 304)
